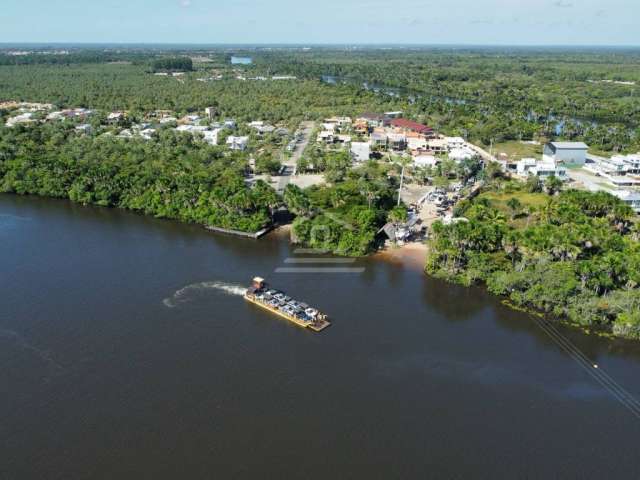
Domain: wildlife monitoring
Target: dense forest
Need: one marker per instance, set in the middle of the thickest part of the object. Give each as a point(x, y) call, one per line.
point(494, 94)
point(172, 64)
point(486, 95)
point(344, 216)
point(572, 254)
point(129, 87)
point(171, 177)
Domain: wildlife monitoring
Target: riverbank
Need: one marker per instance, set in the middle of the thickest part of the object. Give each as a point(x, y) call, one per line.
point(412, 255)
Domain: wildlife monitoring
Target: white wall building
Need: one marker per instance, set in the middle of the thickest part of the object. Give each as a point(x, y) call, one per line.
point(455, 142)
point(567, 152)
point(360, 151)
point(630, 198)
point(544, 168)
point(424, 160)
point(237, 143)
point(461, 154)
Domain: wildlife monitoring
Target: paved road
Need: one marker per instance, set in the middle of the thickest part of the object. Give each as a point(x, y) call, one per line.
point(291, 162)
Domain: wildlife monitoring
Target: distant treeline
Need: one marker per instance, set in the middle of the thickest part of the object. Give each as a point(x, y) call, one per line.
point(172, 64)
point(72, 58)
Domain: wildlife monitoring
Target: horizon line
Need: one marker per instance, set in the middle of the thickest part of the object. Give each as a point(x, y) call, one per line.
point(313, 44)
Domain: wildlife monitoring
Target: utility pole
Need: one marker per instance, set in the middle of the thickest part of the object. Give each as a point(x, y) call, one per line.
point(401, 181)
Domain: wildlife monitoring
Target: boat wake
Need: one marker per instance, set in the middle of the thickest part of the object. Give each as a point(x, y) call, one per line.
point(186, 294)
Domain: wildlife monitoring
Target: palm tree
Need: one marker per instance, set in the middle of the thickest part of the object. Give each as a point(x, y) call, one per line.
point(515, 206)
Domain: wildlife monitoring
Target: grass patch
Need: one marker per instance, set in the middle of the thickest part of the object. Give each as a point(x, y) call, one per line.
point(517, 150)
point(499, 200)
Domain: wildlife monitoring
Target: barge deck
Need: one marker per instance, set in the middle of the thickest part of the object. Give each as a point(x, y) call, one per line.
point(284, 306)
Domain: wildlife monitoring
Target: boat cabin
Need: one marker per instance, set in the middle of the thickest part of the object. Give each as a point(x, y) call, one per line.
point(258, 283)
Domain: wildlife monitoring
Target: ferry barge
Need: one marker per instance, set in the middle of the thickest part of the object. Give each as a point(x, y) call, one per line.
point(281, 304)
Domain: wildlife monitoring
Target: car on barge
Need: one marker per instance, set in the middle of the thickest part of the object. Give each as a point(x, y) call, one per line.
point(281, 304)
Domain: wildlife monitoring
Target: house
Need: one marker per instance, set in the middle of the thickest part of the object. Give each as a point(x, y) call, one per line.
point(361, 126)
point(237, 143)
point(542, 169)
point(416, 141)
point(455, 142)
point(424, 160)
point(59, 115)
point(396, 114)
point(23, 118)
point(211, 113)
point(545, 168)
point(631, 162)
point(344, 139)
point(325, 136)
point(115, 117)
point(411, 126)
point(126, 133)
point(378, 139)
point(567, 152)
point(630, 198)
point(461, 154)
point(211, 136)
point(373, 120)
point(148, 133)
point(397, 141)
point(339, 121)
point(438, 145)
point(191, 119)
point(360, 151)
point(524, 166)
point(84, 128)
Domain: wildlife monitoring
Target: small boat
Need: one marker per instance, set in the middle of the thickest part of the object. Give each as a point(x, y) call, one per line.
point(281, 304)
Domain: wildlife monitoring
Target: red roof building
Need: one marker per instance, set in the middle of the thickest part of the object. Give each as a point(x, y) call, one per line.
point(411, 126)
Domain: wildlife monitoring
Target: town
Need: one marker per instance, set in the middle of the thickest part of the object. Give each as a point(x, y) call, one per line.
point(427, 160)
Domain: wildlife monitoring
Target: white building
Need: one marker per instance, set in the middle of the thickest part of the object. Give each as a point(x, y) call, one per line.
point(455, 142)
point(85, 128)
point(424, 160)
point(22, 118)
point(325, 136)
point(397, 141)
point(360, 151)
point(211, 113)
point(542, 169)
point(461, 154)
point(211, 136)
point(632, 162)
point(549, 168)
point(567, 152)
point(438, 145)
point(524, 166)
point(115, 116)
point(630, 198)
point(237, 143)
point(148, 133)
point(416, 142)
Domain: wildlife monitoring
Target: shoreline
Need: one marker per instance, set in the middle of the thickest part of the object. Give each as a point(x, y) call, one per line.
point(412, 255)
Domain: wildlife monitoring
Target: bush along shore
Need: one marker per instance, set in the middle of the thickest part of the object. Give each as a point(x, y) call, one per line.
point(573, 255)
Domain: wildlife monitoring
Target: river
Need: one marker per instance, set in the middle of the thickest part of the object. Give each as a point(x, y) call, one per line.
point(127, 352)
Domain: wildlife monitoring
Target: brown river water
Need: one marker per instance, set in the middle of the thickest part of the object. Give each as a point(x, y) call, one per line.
point(127, 351)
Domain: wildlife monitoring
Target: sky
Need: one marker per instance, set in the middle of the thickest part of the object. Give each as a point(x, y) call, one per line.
point(431, 22)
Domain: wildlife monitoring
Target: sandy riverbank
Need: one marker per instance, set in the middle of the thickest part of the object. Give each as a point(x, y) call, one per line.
point(411, 255)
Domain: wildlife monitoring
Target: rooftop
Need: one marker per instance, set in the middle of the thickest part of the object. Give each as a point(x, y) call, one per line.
point(570, 145)
point(410, 125)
